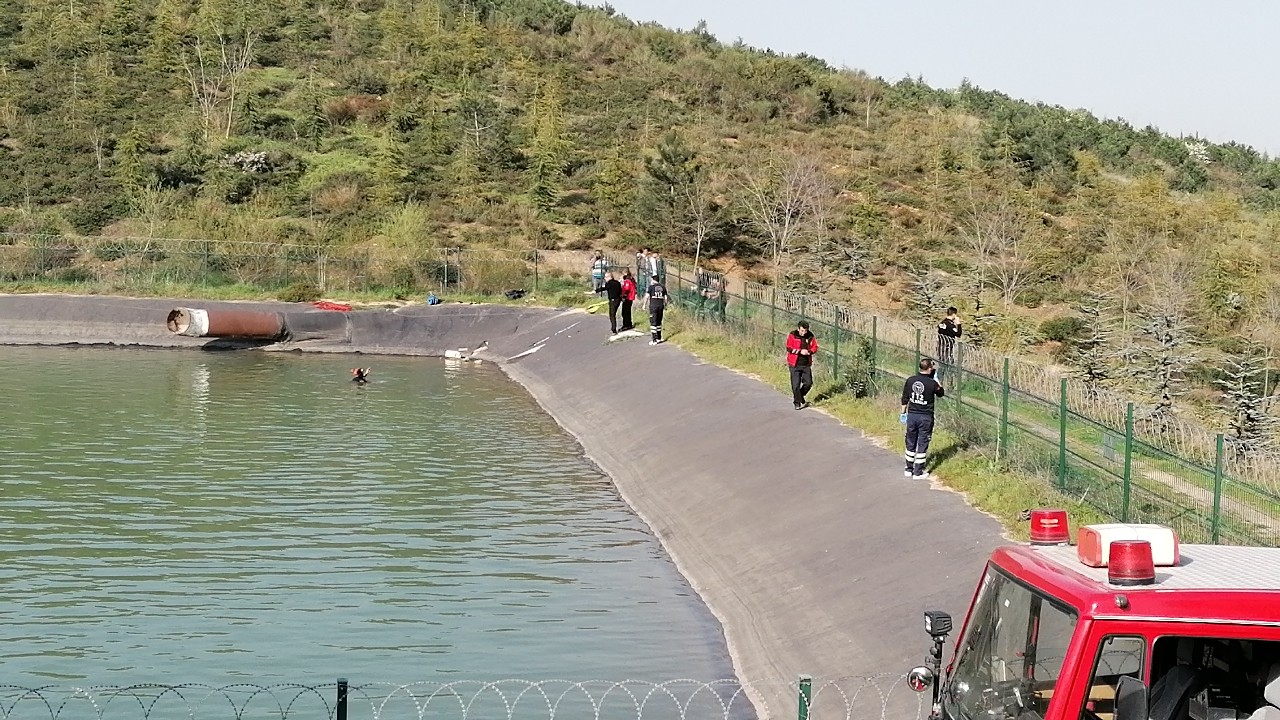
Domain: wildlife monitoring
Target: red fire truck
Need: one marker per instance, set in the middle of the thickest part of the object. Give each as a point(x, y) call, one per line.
point(1124, 625)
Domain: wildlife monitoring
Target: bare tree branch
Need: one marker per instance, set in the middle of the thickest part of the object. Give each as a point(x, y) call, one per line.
point(786, 201)
point(1008, 244)
point(1169, 337)
point(216, 82)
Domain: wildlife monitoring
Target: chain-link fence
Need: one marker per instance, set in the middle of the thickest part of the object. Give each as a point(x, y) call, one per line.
point(125, 262)
point(854, 698)
point(1091, 444)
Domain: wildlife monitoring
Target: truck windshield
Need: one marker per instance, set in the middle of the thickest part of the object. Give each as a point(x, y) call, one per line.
point(1011, 653)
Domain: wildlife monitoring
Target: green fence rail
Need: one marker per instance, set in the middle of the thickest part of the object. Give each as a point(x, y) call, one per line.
point(1091, 445)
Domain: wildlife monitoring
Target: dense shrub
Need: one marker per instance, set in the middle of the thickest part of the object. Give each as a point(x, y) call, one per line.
point(1066, 329)
point(300, 292)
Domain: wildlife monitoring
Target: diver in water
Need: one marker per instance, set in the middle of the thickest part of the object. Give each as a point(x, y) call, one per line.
point(360, 375)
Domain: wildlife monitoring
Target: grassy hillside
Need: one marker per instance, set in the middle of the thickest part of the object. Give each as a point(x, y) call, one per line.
point(1140, 258)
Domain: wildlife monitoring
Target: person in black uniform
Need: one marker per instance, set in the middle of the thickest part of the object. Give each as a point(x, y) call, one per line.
point(919, 393)
point(613, 291)
point(949, 332)
point(657, 305)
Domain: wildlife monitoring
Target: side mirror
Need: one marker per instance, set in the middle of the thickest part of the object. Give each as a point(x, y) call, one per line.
point(920, 678)
point(1131, 699)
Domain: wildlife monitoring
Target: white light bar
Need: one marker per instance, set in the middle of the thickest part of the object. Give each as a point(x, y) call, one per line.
point(1093, 545)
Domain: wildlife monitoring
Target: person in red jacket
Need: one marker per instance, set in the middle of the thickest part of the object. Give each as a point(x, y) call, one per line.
point(628, 297)
point(801, 347)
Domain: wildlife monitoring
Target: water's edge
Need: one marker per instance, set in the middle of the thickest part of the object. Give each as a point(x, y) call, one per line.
point(788, 527)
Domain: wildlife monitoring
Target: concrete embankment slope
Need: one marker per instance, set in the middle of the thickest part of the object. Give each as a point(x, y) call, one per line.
point(804, 539)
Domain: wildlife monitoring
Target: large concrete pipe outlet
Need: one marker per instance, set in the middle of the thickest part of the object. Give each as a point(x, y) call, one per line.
point(194, 322)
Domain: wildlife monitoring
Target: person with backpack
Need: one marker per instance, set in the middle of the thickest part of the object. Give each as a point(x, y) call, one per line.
point(919, 394)
point(801, 347)
point(657, 305)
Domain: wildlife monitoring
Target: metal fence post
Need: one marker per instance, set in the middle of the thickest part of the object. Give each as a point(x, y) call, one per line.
point(1128, 462)
point(958, 366)
point(1002, 450)
point(875, 342)
point(535, 271)
point(835, 350)
point(917, 348)
point(804, 306)
point(773, 313)
point(1217, 490)
point(340, 710)
point(365, 271)
point(805, 699)
point(1062, 435)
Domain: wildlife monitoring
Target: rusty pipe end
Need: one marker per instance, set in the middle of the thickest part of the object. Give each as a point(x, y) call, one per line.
point(188, 321)
point(226, 322)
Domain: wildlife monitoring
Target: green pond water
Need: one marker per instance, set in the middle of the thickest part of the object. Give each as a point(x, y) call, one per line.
point(221, 517)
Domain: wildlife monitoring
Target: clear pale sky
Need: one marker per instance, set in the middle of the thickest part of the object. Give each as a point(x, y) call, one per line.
point(1189, 68)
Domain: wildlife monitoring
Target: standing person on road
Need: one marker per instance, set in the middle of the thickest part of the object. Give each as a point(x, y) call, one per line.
point(919, 393)
point(658, 267)
point(628, 297)
point(599, 266)
point(613, 291)
point(643, 271)
point(801, 347)
point(949, 332)
point(657, 305)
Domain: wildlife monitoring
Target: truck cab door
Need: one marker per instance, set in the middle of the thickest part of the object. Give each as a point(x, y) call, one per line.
point(1115, 660)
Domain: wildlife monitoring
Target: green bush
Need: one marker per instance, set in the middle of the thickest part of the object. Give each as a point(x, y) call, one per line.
point(1066, 329)
point(300, 292)
point(1031, 298)
point(75, 275)
point(403, 278)
point(860, 373)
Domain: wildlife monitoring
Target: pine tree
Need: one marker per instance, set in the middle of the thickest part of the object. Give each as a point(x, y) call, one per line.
point(548, 149)
point(1251, 427)
point(465, 176)
point(314, 123)
point(389, 171)
point(250, 114)
point(397, 36)
point(1164, 358)
point(924, 292)
point(613, 185)
point(128, 167)
point(119, 28)
point(1092, 354)
point(673, 165)
point(672, 169)
point(161, 57)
